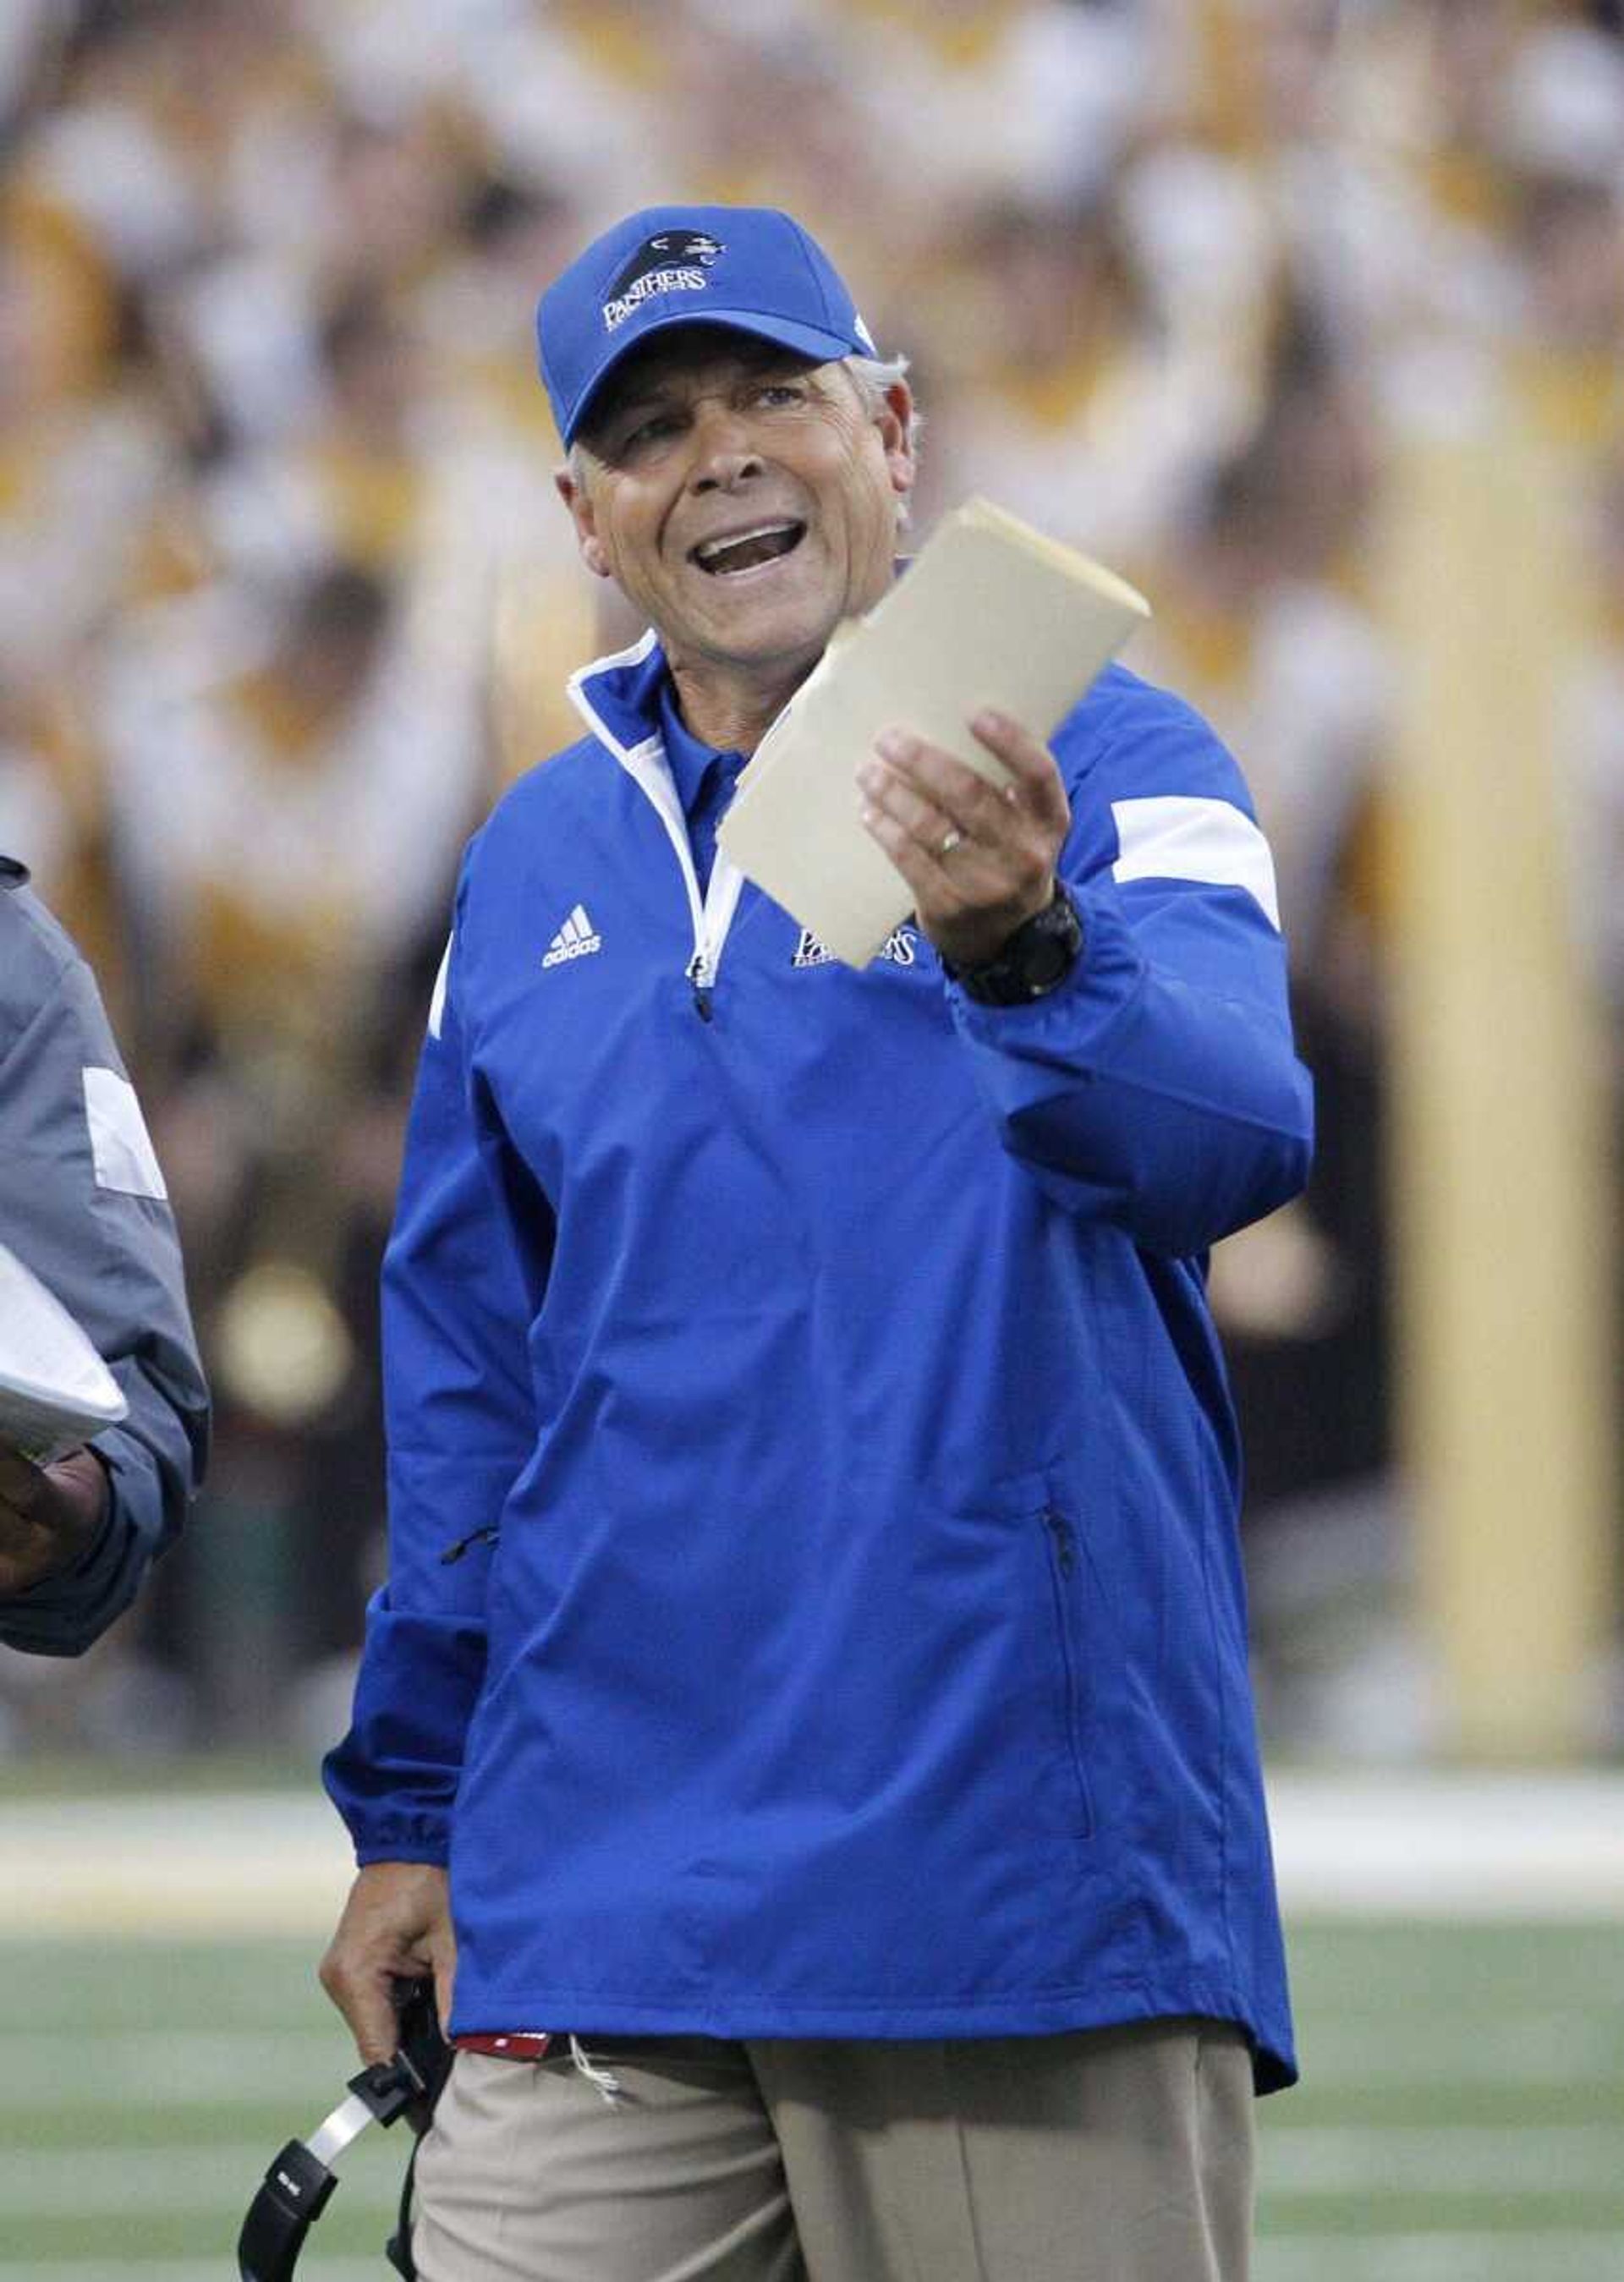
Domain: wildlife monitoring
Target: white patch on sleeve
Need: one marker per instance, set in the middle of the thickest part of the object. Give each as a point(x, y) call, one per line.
point(1176, 837)
point(437, 1003)
point(120, 1144)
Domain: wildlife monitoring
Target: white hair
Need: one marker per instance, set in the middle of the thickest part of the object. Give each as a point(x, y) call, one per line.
point(872, 377)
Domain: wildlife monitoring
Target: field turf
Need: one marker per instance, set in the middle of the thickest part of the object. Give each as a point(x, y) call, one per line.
point(1461, 2120)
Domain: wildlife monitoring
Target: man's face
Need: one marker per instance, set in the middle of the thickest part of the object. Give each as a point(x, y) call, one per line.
point(745, 500)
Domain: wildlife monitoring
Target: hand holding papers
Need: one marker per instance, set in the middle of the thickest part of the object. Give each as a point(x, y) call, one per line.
point(55, 1389)
point(991, 613)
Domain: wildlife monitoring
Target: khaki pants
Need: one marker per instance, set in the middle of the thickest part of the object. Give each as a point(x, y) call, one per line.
point(1110, 2156)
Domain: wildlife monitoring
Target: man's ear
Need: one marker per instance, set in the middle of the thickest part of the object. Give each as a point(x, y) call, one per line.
point(593, 554)
point(894, 423)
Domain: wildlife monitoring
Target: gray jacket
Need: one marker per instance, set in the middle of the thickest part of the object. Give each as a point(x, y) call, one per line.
point(81, 1204)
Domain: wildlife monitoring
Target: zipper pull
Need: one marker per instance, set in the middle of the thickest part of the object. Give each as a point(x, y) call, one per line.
point(1065, 1550)
point(699, 983)
point(488, 1535)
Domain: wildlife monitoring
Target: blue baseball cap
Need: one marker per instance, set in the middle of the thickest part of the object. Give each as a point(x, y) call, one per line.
point(748, 268)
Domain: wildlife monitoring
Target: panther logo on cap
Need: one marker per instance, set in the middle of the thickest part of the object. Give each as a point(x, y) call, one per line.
point(672, 261)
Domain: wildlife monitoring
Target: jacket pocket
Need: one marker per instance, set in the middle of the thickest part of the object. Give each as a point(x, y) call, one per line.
point(454, 1553)
point(1065, 1586)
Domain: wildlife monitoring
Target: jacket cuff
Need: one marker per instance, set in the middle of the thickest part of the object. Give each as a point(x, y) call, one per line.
point(63, 1613)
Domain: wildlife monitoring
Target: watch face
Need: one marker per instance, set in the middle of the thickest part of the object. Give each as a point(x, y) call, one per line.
point(1039, 955)
point(1045, 962)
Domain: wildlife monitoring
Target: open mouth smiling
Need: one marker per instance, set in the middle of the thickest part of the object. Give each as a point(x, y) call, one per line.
point(738, 551)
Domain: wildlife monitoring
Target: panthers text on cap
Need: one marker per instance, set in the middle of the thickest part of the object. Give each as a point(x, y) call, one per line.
point(672, 261)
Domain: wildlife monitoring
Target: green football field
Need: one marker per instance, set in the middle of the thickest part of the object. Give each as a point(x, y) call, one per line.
point(1462, 2117)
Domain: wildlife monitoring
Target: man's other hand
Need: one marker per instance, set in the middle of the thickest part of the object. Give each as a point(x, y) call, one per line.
point(979, 858)
point(49, 1516)
point(396, 1927)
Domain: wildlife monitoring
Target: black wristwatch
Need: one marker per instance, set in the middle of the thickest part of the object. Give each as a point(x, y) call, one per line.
point(1037, 958)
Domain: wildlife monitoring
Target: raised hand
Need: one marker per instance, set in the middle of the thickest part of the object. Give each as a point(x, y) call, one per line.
point(979, 857)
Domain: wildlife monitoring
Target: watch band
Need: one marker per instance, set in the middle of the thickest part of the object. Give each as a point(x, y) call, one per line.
point(1036, 959)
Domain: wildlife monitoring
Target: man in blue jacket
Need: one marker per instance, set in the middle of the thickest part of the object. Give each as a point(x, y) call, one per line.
point(809, 1701)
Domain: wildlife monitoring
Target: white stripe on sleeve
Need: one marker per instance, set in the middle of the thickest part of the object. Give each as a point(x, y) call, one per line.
point(120, 1144)
point(1173, 836)
point(437, 1003)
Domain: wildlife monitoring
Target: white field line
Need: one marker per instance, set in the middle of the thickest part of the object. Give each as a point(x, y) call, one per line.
point(1449, 2159)
point(210, 2178)
point(1392, 1974)
point(1439, 2257)
point(304, 2067)
point(1523, 2044)
point(303, 2074)
point(136, 2068)
point(1298, 2257)
point(1450, 1845)
point(1438, 1846)
point(1464, 2159)
point(1323, 2159)
point(1306, 2256)
point(1302, 2258)
point(236, 1864)
point(159, 2267)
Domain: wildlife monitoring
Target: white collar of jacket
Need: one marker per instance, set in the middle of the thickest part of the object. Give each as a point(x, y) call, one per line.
point(619, 696)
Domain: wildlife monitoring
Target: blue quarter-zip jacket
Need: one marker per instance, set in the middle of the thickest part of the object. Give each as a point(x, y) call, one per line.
point(848, 1634)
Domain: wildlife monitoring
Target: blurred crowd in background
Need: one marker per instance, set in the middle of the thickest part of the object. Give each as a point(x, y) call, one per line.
point(285, 597)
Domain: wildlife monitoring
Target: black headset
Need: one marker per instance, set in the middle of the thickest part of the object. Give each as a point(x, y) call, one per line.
point(298, 2185)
